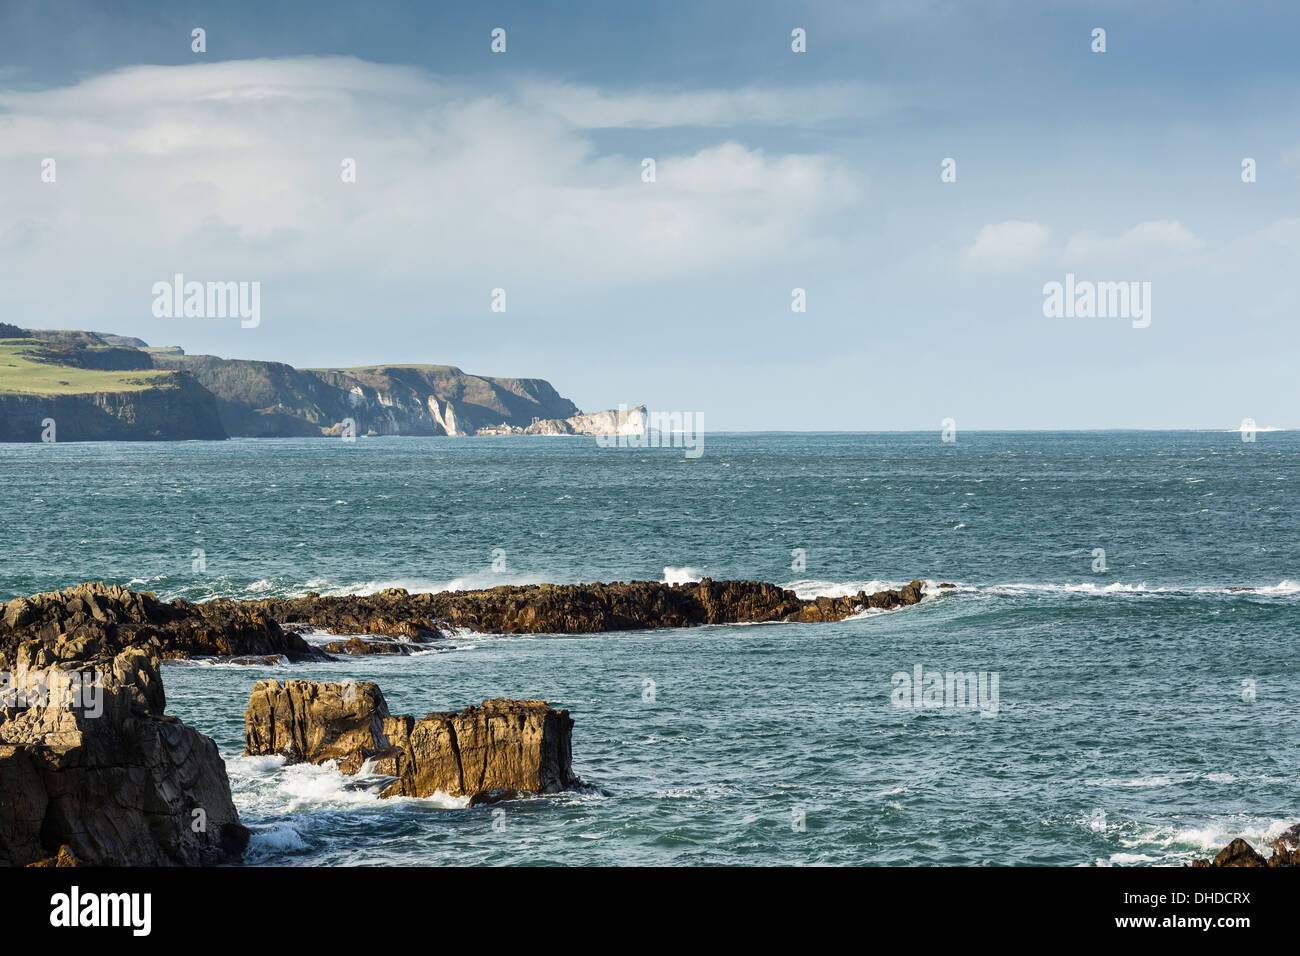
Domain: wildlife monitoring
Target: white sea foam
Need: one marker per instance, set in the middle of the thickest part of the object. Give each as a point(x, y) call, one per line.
point(684, 575)
point(274, 840)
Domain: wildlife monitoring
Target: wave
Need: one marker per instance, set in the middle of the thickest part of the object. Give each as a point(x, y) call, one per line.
point(806, 588)
point(685, 575)
point(1283, 588)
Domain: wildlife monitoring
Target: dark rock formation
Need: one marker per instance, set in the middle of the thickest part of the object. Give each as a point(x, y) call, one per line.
point(501, 745)
point(90, 766)
point(574, 608)
point(1286, 852)
point(393, 613)
point(95, 619)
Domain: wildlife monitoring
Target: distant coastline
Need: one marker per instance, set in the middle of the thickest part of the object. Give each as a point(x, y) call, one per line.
point(95, 386)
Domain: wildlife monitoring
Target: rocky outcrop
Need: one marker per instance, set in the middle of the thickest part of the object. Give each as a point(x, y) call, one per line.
point(92, 770)
point(497, 747)
point(95, 619)
point(574, 608)
point(1286, 852)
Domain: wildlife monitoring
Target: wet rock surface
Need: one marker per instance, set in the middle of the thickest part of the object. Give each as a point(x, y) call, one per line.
point(486, 752)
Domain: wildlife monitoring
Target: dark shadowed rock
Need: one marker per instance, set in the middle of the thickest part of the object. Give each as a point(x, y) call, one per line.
point(104, 773)
point(501, 745)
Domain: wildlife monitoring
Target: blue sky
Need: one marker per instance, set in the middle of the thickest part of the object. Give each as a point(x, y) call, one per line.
point(776, 170)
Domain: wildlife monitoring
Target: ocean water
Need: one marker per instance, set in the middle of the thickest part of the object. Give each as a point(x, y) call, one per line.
point(1145, 713)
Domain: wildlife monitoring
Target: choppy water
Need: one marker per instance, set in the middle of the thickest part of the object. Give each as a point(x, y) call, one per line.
point(1121, 735)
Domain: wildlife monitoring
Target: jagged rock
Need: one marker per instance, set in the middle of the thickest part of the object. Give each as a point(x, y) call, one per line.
point(94, 619)
point(1236, 853)
point(499, 745)
point(106, 773)
point(1286, 848)
point(65, 857)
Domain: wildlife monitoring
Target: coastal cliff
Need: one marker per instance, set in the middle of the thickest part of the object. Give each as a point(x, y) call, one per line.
point(99, 386)
point(81, 387)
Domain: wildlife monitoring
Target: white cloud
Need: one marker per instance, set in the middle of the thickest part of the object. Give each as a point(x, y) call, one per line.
point(1143, 244)
point(231, 170)
point(589, 108)
point(1007, 247)
point(1016, 245)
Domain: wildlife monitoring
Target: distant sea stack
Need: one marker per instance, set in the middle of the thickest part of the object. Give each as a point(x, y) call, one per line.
point(99, 386)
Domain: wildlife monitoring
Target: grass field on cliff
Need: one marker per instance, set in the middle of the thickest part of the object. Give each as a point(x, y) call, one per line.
point(20, 374)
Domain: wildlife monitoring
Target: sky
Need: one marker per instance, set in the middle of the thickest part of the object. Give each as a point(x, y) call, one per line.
point(775, 170)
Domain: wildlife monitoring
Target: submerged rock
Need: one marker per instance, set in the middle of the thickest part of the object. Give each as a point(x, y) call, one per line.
point(357, 647)
point(501, 745)
point(90, 764)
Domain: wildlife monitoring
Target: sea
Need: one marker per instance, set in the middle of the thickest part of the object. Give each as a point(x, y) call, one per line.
point(1124, 616)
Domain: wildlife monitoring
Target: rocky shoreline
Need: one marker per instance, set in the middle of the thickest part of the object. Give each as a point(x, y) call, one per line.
point(93, 770)
point(1286, 852)
point(93, 618)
